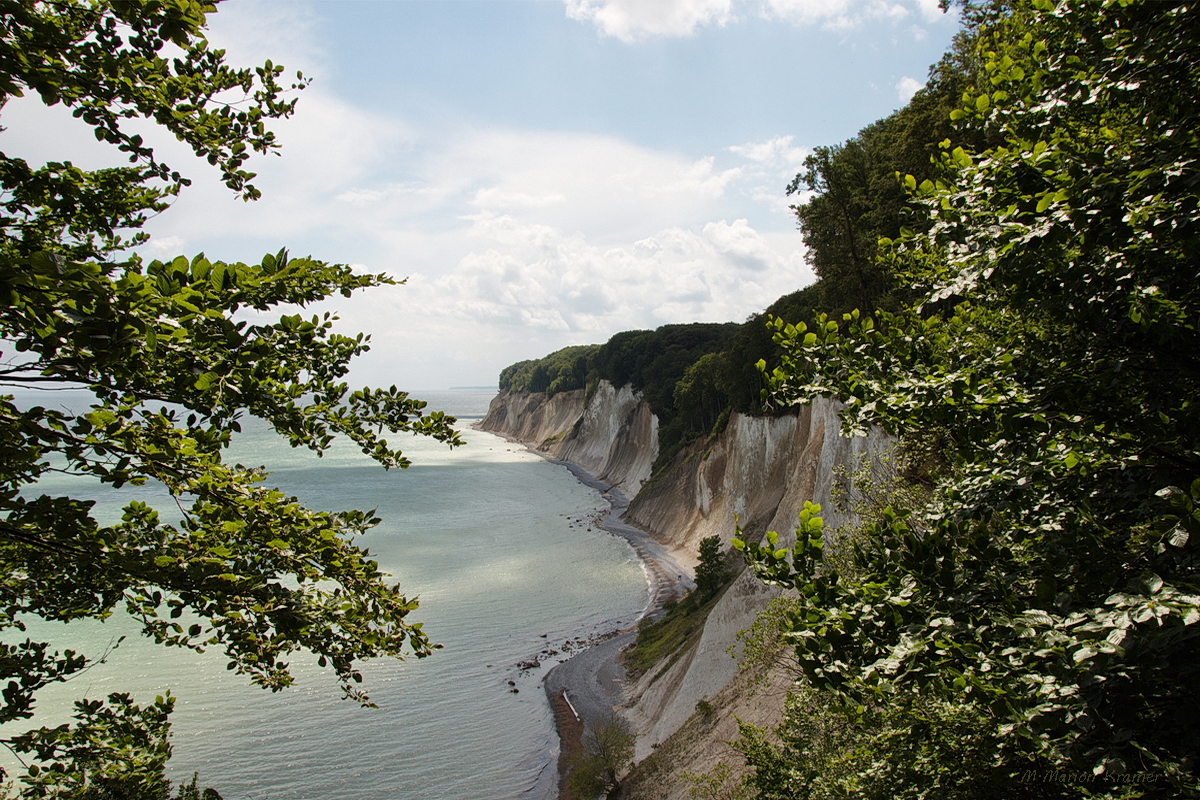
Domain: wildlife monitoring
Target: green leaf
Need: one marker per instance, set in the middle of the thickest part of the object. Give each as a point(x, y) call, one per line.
point(216, 277)
point(206, 380)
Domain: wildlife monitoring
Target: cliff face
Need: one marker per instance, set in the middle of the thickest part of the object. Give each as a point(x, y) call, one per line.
point(614, 436)
point(759, 471)
point(533, 418)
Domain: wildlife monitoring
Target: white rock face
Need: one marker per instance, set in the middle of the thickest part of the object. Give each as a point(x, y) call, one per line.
point(758, 472)
point(533, 418)
point(614, 437)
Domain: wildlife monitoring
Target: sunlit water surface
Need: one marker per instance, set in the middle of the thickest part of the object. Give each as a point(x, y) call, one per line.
point(487, 535)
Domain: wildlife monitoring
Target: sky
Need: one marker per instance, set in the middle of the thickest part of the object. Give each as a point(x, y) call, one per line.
point(544, 173)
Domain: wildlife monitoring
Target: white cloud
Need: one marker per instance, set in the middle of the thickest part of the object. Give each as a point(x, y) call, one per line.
point(328, 171)
point(524, 274)
point(773, 164)
point(742, 245)
point(285, 32)
point(634, 20)
point(834, 13)
point(906, 87)
point(495, 197)
point(773, 152)
point(165, 247)
point(574, 182)
point(516, 242)
point(697, 177)
point(930, 9)
point(630, 20)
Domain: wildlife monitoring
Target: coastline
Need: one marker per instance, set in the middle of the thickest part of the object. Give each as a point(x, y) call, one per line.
point(664, 577)
point(591, 682)
point(587, 687)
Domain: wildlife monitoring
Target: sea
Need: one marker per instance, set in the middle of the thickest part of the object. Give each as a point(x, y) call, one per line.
point(504, 552)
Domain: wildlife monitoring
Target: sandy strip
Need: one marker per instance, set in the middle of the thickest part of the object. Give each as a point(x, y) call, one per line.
point(570, 734)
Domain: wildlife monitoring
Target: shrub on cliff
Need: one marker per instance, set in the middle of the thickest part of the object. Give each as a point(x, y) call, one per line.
point(607, 753)
point(711, 572)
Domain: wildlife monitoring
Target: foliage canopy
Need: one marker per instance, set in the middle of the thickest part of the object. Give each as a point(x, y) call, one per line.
point(711, 572)
point(607, 752)
point(171, 369)
point(1050, 600)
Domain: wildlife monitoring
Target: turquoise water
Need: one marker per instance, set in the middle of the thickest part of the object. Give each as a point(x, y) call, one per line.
point(491, 539)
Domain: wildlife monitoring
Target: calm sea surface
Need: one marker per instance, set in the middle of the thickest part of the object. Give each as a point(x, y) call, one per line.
point(491, 539)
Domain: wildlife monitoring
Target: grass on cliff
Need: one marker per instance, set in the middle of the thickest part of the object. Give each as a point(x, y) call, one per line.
point(664, 639)
point(667, 637)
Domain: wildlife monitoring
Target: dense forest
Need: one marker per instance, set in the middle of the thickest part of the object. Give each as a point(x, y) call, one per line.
point(1008, 283)
point(1029, 627)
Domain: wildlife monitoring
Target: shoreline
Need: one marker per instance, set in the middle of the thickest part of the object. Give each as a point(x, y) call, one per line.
point(591, 682)
point(664, 576)
point(587, 687)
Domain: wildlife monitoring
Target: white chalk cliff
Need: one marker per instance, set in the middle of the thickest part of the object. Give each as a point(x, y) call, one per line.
point(759, 471)
point(613, 434)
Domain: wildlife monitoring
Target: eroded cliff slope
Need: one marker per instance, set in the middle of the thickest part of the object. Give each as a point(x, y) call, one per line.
point(613, 434)
point(759, 471)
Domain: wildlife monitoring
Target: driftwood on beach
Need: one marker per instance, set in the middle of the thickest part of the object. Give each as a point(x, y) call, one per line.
point(570, 736)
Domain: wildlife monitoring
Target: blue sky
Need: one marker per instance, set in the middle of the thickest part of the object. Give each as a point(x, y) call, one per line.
point(545, 172)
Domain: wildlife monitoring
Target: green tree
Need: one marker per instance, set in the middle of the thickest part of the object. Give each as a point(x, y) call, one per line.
point(1053, 588)
point(171, 370)
point(607, 752)
point(711, 572)
point(698, 395)
point(854, 197)
point(562, 371)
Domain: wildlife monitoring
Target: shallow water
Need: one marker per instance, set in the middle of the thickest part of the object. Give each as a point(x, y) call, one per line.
point(498, 545)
